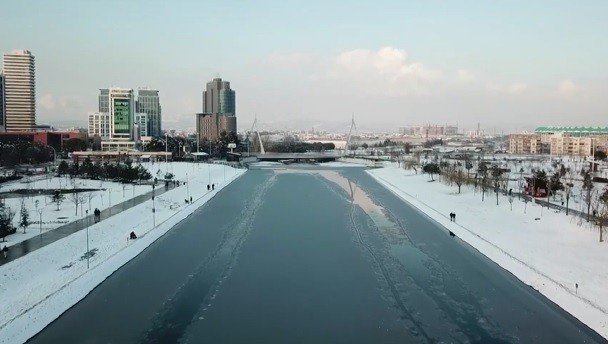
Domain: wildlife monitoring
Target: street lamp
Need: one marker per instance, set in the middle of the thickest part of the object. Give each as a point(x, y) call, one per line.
point(153, 207)
point(187, 187)
point(87, 254)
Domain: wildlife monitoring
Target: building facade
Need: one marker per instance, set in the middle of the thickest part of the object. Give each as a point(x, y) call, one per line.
point(210, 126)
point(148, 102)
point(19, 91)
point(1, 101)
point(122, 114)
point(141, 126)
point(525, 144)
point(219, 111)
point(99, 125)
point(219, 98)
point(568, 141)
point(104, 100)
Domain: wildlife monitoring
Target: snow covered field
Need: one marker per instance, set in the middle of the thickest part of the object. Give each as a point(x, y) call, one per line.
point(52, 218)
point(552, 254)
point(37, 288)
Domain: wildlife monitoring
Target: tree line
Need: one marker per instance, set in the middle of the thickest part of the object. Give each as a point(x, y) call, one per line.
point(123, 172)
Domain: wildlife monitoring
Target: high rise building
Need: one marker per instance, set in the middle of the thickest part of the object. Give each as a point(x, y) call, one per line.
point(121, 110)
point(219, 111)
point(1, 101)
point(20, 91)
point(219, 98)
point(104, 100)
point(148, 102)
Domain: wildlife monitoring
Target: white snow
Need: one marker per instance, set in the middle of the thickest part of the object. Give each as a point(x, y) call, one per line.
point(551, 254)
point(52, 218)
point(37, 288)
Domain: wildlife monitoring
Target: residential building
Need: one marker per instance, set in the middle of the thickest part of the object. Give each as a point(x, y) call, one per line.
point(19, 91)
point(527, 143)
point(210, 126)
point(571, 141)
point(148, 102)
point(219, 98)
point(1, 101)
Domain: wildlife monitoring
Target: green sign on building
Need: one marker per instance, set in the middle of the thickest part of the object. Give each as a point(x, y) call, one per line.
point(122, 116)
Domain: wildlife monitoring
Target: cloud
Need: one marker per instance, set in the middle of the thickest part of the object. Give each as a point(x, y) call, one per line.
point(517, 88)
point(568, 88)
point(465, 76)
point(385, 71)
point(47, 102)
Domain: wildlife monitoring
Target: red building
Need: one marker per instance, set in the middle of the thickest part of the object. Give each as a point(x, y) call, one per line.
point(54, 139)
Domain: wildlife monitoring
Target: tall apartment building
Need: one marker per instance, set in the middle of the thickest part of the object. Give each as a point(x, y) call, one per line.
point(1, 101)
point(19, 91)
point(148, 102)
point(219, 98)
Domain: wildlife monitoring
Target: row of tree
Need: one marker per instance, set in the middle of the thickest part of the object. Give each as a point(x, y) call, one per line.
point(293, 146)
point(489, 177)
point(124, 172)
point(24, 152)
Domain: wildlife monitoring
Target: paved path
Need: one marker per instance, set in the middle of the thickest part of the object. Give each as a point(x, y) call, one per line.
point(21, 249)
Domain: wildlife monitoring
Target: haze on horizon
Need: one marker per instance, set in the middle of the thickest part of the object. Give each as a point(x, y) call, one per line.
point(509, 65)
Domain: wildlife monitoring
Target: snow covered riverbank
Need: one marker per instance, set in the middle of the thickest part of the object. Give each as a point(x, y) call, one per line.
point(37, 288)
point(547, 250)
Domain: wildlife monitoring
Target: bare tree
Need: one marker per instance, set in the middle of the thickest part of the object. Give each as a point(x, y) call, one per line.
point(76, 198)
point(601, 216)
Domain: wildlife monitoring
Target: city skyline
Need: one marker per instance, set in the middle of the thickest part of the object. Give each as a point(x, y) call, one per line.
point(409, 63)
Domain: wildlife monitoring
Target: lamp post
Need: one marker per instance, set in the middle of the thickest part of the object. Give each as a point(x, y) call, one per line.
point(166, 146)
point(87, 240)
point(153, 207)
point(187, 187)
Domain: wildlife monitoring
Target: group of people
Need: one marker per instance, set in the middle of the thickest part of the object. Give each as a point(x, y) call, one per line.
point(210, 187)
point(97, 215)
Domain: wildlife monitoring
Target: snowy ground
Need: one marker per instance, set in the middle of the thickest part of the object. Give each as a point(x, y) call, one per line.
point(110, 193)
point(38, 287)
point(549, 251)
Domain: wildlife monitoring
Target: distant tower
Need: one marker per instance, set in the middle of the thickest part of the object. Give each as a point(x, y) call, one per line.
point(19, 91)
point(219, 98)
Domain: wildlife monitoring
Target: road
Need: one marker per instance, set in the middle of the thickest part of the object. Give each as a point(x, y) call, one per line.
point(312, 256)
point(21, 249)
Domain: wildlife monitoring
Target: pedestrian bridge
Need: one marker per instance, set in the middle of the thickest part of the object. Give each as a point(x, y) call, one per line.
point(298, 157)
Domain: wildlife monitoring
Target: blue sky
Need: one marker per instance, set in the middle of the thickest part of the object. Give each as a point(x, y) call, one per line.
point(319, 61)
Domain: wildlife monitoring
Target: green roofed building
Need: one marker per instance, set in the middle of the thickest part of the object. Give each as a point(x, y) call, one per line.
point(573, 131)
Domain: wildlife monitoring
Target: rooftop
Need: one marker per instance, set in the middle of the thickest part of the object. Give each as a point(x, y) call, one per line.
point(572, 130)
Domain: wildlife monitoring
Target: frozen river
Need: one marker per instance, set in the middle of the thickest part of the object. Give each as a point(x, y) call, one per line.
point(312, 255)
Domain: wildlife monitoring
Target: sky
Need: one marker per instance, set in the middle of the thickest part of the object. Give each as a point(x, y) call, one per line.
point(508, 65)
